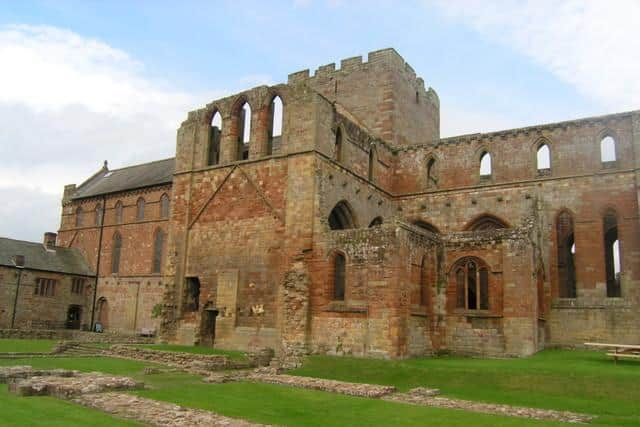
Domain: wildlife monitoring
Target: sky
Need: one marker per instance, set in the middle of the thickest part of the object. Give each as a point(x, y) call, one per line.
point(86, 81)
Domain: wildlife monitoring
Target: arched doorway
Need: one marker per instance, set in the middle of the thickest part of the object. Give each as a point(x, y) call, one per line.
point(103, 313)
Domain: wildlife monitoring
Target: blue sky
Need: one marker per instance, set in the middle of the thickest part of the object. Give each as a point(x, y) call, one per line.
point(88, 81)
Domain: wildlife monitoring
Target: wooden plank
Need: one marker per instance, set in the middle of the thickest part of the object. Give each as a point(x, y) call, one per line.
point(624, 355)
point(607, 345)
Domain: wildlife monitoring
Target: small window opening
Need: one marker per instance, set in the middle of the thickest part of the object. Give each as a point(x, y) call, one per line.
point(612, 255)
point(115, 254)
point(140, 209)
point(244, 131)
point(192, 300)
point(424, 290)
point(275, 128)
point(485, 164)
point(426, 226)
point(98, 215)
point(337, 150)
point(377, 221)
point(213, 156)
point(566, 256)
point(486, 223)
point(164, 206)
point(339, 272)
point(79, 216)
point(341, 217)
point(119, 212)
point(158, 246)
point(432, 180)
point(543, 158)
point(608, 149)
point(373, 158)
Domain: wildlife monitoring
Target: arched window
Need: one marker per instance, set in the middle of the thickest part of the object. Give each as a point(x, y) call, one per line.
point(432, 179)
point(472, 285)
point(97, 220)
point(339, 276)
point(164, 206)
point(337, 149)
point(119, 212)
point(607, 149)
point(543, 158)
point(140, 209)
point(341, 217)
point(275, 124)
point(244, 131)
point(158, 249)
point(373, 159)
point(424, 290)
point(485, 164)
point(115, 254)
point(376, 222)
point(612, 254)
point(213, 154)
point(426, 226)
point(79, 216)
point(486, 223)
point(566, 255)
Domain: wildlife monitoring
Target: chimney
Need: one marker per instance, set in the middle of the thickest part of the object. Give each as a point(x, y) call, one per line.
point(50, 240)
point(18, 260)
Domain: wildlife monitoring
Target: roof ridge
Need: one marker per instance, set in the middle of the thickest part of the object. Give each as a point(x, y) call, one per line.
point(23, 241)
point(142, 164)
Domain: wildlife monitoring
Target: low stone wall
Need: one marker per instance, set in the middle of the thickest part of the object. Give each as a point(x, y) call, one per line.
point(154, 413)
point(8, 373)
point(74, 335)
point(428, 397)
point(190, 361)
point(60, 383)
point(352, 389)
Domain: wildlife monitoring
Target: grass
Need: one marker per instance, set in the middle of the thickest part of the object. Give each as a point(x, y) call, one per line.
point(235, 355)
point(26, 346)
point(49, 412)
point(565, 380)
point(266, 403)
point(579, 381)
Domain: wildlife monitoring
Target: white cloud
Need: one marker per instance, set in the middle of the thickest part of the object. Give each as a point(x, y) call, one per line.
point(455, 121)
point(66, 104)
point(590, 44)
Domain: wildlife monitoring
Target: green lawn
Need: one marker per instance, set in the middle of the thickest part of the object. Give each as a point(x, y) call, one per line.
point(565, 380)
point(26, 346)
point(236, 355)
point(266, 403)
point(49, 412)
point(579, 381)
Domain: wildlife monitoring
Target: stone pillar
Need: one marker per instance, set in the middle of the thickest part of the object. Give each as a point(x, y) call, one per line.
point(229, 140)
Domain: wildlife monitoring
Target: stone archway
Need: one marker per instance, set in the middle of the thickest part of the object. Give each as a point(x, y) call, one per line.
point(103, 313)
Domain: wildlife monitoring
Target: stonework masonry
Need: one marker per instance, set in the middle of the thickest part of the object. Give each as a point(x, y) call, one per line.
point(357, 230)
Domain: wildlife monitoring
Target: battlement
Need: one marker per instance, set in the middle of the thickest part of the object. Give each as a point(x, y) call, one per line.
point(377, 60)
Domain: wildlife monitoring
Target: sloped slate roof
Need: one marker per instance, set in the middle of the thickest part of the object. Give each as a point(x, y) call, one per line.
point(129, 178)
point(37, 257)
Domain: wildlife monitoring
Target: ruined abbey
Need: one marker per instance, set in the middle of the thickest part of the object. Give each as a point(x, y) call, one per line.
point(327, 215)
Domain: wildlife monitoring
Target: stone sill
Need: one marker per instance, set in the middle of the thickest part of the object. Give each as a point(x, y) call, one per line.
point(573, 303)
point(478, 314)
point(419, 311)
point(340, 307)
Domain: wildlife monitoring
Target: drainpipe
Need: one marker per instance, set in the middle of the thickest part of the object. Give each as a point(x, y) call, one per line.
point(19, 262)
point(95, 287)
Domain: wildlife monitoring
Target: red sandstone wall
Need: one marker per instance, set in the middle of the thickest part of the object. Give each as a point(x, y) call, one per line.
point(131, 293)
